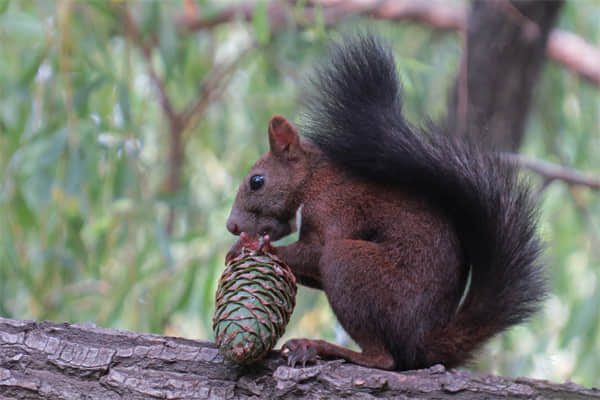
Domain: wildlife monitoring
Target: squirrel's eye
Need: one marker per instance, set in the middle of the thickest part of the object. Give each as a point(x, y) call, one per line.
point(256, 182)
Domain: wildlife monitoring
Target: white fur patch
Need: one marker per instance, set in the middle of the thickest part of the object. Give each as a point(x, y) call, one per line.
point(296, 222)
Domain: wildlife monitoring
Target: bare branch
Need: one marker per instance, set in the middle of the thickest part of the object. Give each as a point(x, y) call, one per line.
point(442, 16)
point(211, 89)
point(553, 172)
point(146, 48)
point(173, 179)
point(575, 53)
point(567, 49)
point(277, 16)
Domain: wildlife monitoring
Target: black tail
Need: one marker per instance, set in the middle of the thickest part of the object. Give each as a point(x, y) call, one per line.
point(354, 116)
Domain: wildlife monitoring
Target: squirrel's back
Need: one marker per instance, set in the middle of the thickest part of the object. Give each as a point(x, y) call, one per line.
point(354, 115)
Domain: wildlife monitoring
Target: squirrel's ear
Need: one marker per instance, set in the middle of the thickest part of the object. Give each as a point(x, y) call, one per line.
point(283, 136)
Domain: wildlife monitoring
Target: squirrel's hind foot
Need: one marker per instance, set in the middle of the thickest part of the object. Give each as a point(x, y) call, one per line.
point(305, 350)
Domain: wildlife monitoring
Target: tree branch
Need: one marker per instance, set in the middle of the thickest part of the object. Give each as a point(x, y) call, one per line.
point(210, 89)
point(146, 47)
point(567, 49)
point(553, 172)
point(176, 127)
point(576, 54)
point(45, 360)
point(504, 53)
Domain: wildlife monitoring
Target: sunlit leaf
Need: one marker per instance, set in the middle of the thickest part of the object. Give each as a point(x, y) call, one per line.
point(260, 22)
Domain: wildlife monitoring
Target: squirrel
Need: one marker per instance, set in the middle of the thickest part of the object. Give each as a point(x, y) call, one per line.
point(424, 243)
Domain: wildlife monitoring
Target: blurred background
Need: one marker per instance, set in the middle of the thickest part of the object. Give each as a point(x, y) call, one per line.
point(126, 127)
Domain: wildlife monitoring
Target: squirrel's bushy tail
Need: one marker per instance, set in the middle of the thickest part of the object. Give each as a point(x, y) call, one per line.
point(354, 116)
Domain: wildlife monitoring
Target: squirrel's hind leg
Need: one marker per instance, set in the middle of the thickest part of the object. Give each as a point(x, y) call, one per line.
point(306, 350)
point(362, 285)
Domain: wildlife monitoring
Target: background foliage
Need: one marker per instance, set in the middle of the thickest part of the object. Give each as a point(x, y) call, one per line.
point(93, 230)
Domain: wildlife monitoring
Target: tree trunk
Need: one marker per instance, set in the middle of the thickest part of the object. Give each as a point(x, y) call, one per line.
point(504, 52)
point(45, 360)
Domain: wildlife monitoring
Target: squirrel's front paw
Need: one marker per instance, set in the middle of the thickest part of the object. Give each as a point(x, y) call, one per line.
point(253, 243)
point(300, 351)
point(261, 243)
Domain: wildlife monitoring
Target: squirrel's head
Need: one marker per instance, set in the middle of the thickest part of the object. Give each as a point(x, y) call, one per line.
point(267, 200)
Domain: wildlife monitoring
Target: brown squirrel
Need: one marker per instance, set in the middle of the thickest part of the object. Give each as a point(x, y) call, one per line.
point(392, 222)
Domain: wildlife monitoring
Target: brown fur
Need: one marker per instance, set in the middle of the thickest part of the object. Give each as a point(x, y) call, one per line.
point(388, 259)
point(392, 221)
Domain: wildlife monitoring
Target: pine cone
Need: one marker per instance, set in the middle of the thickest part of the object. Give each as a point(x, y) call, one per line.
point(254, 302)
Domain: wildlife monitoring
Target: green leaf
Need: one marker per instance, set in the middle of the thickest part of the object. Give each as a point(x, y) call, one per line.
point(583, 318)
point(25, 216)
point(74, 241)
point(21, 25)
point(75, 170)
point(52, 148)
point(36, 190)
point(210, 282)
point(164, 244)
point(150, 17)
point(260, 22)
point(122, 177)
point(103, 6)
point(124, 102)
point(168, 44)
point(188, 289)
point(117, 307)
point(320, 21)
point(32, 66)
point(300, 6)
point(11, 262)
point(413, 64)
point(81, 98)
point(4, 6)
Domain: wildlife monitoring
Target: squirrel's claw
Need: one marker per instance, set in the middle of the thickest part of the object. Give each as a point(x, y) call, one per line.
point(299, 351)
point(266, 246)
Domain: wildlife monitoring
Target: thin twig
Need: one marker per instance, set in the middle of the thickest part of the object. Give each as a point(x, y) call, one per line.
point(146, 47)
point(173, 179)
point(553, 172)
point(210, 89)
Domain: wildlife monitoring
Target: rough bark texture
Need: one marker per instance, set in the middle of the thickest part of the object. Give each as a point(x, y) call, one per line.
point(505, 48)
point(45, 360)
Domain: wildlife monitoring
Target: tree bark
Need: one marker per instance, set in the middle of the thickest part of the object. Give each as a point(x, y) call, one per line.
point(504, 52)
point(45, 360)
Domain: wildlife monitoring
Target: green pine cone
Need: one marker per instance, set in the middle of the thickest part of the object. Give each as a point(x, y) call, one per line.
point(254, 302)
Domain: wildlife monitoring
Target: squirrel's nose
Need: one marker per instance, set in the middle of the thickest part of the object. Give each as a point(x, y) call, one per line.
point(233, 227)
